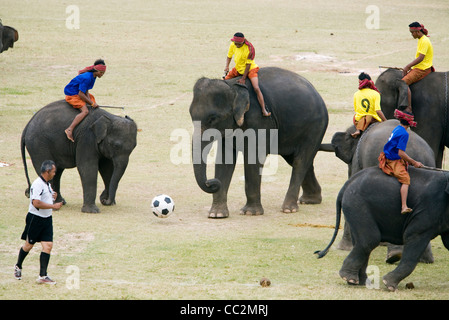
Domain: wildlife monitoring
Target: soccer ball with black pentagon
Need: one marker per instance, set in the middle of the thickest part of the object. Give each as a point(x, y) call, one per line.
point(162, 206)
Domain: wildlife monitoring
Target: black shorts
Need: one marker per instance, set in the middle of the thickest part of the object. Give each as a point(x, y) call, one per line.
point(38, 229)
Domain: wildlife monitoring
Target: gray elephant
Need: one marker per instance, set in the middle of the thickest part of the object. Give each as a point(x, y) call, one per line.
point(375, 217)
point(364, 151)
point(8, 35)
point(231, 111)
point(103, 143)
point(430, 104)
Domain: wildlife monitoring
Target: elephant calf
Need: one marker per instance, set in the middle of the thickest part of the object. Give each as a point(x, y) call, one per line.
point(103, 143)
point(371, 204)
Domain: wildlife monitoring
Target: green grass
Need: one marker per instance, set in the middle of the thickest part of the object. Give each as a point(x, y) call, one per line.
point(155, 51)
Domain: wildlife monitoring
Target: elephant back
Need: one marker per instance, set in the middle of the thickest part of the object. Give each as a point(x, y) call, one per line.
point(372, 141)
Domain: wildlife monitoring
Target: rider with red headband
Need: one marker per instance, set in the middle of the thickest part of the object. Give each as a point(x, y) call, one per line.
point(244, 53)
point(77, 93)
point(421, 66)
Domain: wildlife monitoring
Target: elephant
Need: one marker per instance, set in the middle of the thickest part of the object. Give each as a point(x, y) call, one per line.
point(371, 205)
point(228, 112)
point(364, 151)
point(429, 103)
point(8, 35)
point(103, 143)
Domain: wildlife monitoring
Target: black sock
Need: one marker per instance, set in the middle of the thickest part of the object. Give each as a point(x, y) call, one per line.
point(22, 256)
point(44, 259)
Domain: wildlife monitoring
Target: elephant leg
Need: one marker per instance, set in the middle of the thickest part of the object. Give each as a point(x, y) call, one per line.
point(106, 168)
point(394, 254)
point(299, 169)
point(56, 185)
point(89, 174)
point(346, 241)
point(224, 169)
point(410, 256)
point(354, 266)
point(253, 178)
point(311, 189)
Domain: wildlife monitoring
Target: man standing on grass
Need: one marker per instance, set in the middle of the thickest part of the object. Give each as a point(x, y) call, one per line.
point(39, 223)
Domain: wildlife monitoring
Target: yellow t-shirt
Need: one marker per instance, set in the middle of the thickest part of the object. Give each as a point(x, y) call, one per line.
point(425, 48)
point(367, 102)
point(241, 57)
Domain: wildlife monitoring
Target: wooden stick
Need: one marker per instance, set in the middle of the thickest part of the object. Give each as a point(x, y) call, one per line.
point(385, 67)
point(432, 168)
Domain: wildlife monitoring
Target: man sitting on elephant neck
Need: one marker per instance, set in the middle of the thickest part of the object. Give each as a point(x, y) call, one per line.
point(394, 161)
point(77, 93)
point(420, 67)
point(244, 66)
point(366, 105)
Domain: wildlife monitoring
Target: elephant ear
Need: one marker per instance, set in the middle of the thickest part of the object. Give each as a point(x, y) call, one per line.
point(241, 103)
point(100, 128)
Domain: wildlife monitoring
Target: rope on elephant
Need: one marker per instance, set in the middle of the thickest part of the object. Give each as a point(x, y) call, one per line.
point(311, 225)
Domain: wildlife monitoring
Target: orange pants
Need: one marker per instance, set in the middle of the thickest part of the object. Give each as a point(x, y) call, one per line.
point(251, 74)
point(415, 75)
point(364, 122)
point(76, 102)
point(395, 168)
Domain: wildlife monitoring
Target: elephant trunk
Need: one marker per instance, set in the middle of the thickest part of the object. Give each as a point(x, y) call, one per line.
point(119, 170)
point(200, 150)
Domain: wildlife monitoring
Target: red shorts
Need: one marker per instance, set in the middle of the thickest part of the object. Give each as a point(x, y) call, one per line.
point(251, 74)
point(76, 102)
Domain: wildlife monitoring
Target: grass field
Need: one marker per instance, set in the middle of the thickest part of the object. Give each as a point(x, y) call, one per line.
point(155, 51)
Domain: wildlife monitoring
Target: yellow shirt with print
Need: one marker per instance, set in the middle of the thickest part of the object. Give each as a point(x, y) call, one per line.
point(425, 48)
point(241, 57)
point(366, 102)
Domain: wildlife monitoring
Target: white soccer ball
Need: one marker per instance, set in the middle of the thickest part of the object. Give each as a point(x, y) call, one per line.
point(162, 206)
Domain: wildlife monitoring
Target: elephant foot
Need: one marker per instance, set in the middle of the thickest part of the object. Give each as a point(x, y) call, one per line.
point(391, 285)
point(394, 253)
point(218, 212)
point(427, 256)
point(252, 210)
point(310, 199)
point(289, 207)
point(107, 202)
point(60, 199)
point(90, 208)
point(350, 278)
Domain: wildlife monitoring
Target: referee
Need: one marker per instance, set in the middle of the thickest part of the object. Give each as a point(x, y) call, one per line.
point(39, 223)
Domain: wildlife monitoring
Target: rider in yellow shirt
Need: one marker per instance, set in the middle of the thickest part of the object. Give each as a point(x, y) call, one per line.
point(244, 53)
point(366, 105)
point(422, 65)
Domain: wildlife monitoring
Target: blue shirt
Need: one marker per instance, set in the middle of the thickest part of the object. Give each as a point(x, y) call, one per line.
point(398, 141)
point(82, 82)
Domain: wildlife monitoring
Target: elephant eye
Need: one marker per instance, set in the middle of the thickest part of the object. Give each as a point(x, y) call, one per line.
point(211, 119)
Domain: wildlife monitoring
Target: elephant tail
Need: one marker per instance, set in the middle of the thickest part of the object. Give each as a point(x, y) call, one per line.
point(322, 253)
point(22, 149)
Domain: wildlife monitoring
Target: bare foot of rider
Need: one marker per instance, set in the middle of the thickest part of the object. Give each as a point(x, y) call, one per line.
point(68, 132)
